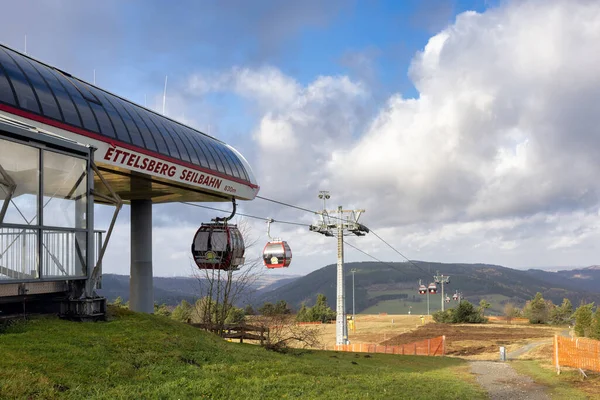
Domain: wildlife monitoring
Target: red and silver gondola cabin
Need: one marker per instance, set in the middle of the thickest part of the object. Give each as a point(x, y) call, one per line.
point(422, 289)
point(218, 246)
point(277, 254)
point(432, 288)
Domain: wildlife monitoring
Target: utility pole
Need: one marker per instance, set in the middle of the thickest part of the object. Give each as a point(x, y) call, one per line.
point(353, 270)
point(428, 302)
point(442, 279)
point(346, 220)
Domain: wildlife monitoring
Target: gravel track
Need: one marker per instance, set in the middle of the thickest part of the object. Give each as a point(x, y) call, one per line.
point(502, 382)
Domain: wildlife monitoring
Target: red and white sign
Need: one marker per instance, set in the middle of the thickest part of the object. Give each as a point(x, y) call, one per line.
point(132, 160)
point(109, 153)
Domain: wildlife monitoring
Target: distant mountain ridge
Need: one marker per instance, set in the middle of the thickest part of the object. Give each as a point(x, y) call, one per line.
point(172, 290)
point(392, 287)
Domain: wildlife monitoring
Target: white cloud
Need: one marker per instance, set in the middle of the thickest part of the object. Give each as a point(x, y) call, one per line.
point(500, 144)
point(495, 161)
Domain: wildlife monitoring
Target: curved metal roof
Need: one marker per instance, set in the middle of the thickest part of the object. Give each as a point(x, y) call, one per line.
point(41, 90)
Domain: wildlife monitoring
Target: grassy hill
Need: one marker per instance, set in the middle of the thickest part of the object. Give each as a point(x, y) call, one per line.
point(392, 287)
point(145, 356)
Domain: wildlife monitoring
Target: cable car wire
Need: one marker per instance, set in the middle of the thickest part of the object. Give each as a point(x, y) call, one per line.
point(378, 260)
point(330, 216)
point(286, 204)
point(393, 248)
point(244, 215)
point(300, 208)
point(315, 213)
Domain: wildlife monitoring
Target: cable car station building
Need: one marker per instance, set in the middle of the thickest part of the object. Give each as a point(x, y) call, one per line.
point(65, 145)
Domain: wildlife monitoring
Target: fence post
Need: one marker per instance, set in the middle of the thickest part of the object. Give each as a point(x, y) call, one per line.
point(428, 346)
point(443, 345)
point(556, 358)
point(415, 349)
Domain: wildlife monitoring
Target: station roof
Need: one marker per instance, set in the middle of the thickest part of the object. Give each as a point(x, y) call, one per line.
point(40, 92)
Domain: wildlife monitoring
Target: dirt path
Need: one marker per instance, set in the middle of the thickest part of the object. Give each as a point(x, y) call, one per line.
point(503, 383)
point(513, 355)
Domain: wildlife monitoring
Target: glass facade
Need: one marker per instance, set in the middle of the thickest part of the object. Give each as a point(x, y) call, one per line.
point(43, 233)
point(55, 95)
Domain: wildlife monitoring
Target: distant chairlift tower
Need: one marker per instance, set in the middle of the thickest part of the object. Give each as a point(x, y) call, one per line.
point(345, 221)
point(442, 279)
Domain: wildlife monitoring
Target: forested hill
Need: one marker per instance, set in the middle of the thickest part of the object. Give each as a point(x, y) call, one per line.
point(392, 287)
point(172, 290)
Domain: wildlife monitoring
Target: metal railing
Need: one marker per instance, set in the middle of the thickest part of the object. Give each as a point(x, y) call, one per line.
point(61, 253)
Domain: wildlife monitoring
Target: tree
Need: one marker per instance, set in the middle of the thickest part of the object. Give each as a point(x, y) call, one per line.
point(595, 327)
point(281, 307)
point(536, 310)
point(118, 302)
point(183, 312)
point(583, 319)
point(561, 315)
point(161, 310)
point(283, 332)
point(302, 315)
point(484, 305)
point(510, 312)
point(319, 312)
point(249, 310)
point(267, 309)
point(235, 316)
point(219, 290)
point(465, 312)
point(443, 317)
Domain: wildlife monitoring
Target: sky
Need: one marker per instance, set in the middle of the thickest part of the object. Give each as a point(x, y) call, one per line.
point(467, 130)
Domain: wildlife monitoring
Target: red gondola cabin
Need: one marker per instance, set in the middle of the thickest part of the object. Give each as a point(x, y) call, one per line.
point(218, 246)
point(277, 254)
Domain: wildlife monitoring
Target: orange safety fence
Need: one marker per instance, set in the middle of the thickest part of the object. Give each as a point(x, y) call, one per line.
point(496, 318)
point(428, 347)
point(577, 353)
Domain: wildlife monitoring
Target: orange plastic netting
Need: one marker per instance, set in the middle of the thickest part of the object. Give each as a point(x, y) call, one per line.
point(577, 353)
point(427, 347)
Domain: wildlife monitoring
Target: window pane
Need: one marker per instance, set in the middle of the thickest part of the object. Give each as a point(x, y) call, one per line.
point(19, 254)
point(146, 135)
point(136, 137)
point(172, 128)
point(24, 91)
point(47, 101)
point(63, 254)
point(158, 137)
point(173, 151)
point(89, 121)
point(70, 114)
point(201, 241)
point(206, 159)
point(120, 128)
point(22, 165)
point(6, 94)
point(218, 241)
point(232, 162)
point(191, 147)
point(106, 127)
point(216, 155)
point(65, 200)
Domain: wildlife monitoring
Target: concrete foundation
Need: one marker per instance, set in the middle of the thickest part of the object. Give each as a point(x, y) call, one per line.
point(141, 291)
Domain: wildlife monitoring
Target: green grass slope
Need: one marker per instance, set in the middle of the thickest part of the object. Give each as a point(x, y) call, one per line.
point(146, 356)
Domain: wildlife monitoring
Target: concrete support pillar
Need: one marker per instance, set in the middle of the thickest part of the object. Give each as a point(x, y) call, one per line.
point(141, 292)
